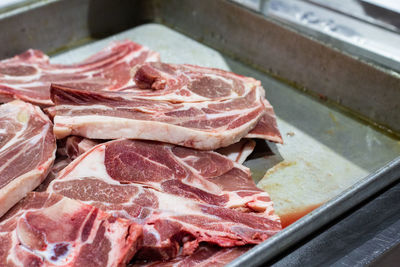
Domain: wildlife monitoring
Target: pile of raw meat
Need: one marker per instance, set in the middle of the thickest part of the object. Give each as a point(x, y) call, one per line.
point(146, 168)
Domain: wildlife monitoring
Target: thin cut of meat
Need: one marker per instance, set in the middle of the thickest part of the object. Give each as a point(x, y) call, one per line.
point(204, 256)
point(27, 151)
point(68, 149)
point(267, 127)
point(51, 230)
point(27, 76)
point(181, 196)
point(238, 152)
point(203, 125)
point(188, 83)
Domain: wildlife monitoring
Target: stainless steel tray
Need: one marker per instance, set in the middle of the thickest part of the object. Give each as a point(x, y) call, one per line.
point(343, 125)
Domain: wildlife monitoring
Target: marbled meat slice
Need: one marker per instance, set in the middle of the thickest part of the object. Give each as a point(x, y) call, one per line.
point(203, 125)
point(181, 196)
point(27, 151)
point(267, 128)
point(204, 256)
point(189, 83)
point(51, 230)
point(27, 76)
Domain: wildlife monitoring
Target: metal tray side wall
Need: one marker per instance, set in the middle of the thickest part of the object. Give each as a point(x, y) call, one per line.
point(372, 92)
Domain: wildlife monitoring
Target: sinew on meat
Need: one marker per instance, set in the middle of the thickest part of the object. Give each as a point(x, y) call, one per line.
point(189, 83)
point(28, 76)
point(181, 196)
point(27, 151)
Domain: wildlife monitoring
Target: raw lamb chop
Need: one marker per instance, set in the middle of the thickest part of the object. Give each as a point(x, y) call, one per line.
point(204, 256)
point(27, 76)
point(51, 230)
point(181, 196)
point(27, 151)
point(203, 125)
point(188, 83)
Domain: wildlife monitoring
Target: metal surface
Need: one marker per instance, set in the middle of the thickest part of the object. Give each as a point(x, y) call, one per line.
point(321, 216)
point(318, 129)
point(333, 143)
point(300, 60)
point(369, 234)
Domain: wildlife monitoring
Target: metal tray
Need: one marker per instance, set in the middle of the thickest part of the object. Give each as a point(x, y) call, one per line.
point(343, 125)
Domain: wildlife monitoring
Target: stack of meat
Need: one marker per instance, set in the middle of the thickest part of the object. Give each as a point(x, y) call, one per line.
point(135, 178)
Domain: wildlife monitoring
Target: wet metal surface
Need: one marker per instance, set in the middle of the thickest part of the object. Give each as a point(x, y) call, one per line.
point(358, 239)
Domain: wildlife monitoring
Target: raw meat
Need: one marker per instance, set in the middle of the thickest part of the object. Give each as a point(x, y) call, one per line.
point(51, 230)
point(75, 146)
point(204, 256)
point(27, 76)
point(203, 125)
point(238, 152)
point(267, 128)
point(68, 149)
point(181, 196)
point(188, 83)
point(27, 151)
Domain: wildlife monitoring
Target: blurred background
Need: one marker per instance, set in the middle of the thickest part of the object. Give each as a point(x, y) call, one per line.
point(368, 29)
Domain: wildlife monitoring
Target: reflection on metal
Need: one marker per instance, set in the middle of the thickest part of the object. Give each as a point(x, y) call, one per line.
point(6, 5)
point(365, 11)
point(340, 30)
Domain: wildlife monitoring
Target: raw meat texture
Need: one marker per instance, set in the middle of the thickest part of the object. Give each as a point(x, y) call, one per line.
point(238, 152)
point(203, 125)
point(27, 76)
point(267, 128)
point(181, 196)
point(51, 230)
point(204, 256)
point(188, 83)
point(27, 151)
point(68, 149)
point(74, 146)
